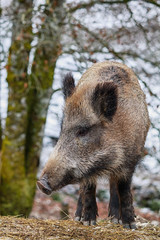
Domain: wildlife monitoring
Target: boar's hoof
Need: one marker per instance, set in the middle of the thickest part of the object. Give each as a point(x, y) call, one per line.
point(89, 223)
point(84, 222)
point(93, 222)
point(44, 187)
point(116, 220)
point(131, 225)
point(77, 218)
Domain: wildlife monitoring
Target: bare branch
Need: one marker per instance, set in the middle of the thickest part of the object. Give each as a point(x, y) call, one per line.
point(92, 3)
point(153, 2)
point(95, 36)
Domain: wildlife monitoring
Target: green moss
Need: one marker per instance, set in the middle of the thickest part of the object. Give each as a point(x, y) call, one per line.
point(22, 201)
point(102, 194)
point(153, 204)
point(56, 197)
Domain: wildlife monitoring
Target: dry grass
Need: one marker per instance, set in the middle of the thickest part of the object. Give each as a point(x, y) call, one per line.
point(29, 229)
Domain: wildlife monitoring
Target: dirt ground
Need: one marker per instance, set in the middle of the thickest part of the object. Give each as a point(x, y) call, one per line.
point(34, 229)
point(44, 223)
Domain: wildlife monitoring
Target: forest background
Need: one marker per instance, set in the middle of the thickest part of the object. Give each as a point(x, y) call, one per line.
point(41, 41)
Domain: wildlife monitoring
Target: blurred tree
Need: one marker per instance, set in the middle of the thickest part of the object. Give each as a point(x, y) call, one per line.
point(86, 31)
point(0, 134)
point(29, 96)
point(0, 125)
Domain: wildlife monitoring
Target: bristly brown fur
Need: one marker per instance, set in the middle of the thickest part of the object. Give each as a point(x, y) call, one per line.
point(103, 133)
point(114, 73)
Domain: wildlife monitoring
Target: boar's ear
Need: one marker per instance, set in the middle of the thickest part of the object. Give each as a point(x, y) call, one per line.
point(104, 99)
point(68, 85)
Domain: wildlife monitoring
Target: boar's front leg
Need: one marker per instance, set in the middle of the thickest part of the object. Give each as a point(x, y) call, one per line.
point(126, 205)
point(114, 204)
point(87, 206)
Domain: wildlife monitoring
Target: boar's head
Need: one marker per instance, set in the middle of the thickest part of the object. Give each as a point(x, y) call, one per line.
point(83, 149)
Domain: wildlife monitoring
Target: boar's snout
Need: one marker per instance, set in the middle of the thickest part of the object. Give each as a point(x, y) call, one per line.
point(44, 185)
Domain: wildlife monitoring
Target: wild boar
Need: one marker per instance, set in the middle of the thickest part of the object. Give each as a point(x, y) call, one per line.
point(103, 133)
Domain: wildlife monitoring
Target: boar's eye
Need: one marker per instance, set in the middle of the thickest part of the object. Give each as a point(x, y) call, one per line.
point(82, 131)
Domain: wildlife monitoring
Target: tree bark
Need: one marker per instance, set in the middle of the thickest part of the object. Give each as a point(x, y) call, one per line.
point(28, 101)
point(14, 189)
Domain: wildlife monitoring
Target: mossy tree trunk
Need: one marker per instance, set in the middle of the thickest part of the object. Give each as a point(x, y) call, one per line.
point(0, 133)
point(28, 100)
point(14, 195)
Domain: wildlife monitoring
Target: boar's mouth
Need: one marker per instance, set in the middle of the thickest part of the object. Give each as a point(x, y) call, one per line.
point(44, 186)
point(68, 178)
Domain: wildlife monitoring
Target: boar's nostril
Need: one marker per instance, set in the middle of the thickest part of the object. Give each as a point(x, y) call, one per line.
point(44, 186)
